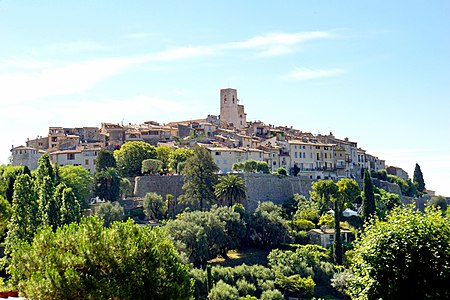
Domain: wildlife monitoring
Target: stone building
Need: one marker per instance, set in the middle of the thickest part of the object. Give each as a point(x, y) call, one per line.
point(26, 156)
point(231, 112)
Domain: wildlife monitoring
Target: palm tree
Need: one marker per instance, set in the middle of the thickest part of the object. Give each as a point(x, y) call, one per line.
point(230, 189)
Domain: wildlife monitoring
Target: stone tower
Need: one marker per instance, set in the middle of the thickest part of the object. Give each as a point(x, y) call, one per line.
point(231, 112)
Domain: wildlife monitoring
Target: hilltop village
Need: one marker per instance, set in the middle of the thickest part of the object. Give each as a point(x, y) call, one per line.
point(229, 137)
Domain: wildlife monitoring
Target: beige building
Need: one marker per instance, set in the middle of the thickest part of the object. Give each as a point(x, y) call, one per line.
point(325, 236)
point(226, 157)
point(397, 171)
point(79, 157)
point(26, 156)
point(231, 112)
point(316, 160)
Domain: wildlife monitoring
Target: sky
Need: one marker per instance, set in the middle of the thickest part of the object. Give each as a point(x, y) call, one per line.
point(376, 72)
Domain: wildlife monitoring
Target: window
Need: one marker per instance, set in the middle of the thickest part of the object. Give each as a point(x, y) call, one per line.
point(86, 161)
point(326, 155)
point(304, 154)
point(295, 154)
point(318, 156)
point(217, 153)
point(70, 156)
point(225, 100)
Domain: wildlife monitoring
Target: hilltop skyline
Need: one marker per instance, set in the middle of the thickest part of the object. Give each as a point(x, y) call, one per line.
point(376, 73)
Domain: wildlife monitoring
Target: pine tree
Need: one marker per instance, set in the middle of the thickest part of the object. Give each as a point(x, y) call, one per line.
point(200, 177)
point(418, 178)
point(368, 205)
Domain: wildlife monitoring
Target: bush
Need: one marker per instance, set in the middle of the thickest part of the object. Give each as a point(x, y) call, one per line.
point(89, 261)
point(272, 295)
point(303, 225)
point(223, 291)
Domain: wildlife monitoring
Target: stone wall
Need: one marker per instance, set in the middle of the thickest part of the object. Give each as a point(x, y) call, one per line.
point(161, 185)
point(275, 188)
point(260, 187)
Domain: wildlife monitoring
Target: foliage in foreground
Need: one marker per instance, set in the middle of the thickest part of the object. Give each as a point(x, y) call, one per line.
point(405, 257)
point(89, 261)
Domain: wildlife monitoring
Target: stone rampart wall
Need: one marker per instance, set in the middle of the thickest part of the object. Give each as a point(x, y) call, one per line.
point(275, 188)
point(260, 187)
point(161, 185)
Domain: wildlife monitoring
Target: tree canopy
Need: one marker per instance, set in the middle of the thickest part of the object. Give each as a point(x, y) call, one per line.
point(200, 177)
point(130, 156)
point(90, 261)
point(404, 257)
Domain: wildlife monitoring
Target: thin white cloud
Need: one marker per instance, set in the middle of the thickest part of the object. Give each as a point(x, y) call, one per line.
point(307, 74)
point(269, 40)
point(30, 79)
point(60, 80)
point(275, 44)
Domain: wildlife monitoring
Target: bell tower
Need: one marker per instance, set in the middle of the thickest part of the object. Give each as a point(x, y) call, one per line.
point(231, 112)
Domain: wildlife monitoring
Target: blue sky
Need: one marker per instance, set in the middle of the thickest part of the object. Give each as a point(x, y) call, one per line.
point(376, 72)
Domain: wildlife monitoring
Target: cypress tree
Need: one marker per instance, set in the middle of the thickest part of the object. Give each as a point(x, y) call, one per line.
point(418, 178)
point(44, 168)
point(47, 202)
point(70, 208)
point(25, 217)
point(368, 205)
point(338, 251)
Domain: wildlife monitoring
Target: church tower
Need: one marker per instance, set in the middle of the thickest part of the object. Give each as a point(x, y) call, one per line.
point(231, 112)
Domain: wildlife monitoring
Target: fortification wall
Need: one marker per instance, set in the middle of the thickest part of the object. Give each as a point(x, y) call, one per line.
point(161, 185)
point(275, 188)
point(260, 187)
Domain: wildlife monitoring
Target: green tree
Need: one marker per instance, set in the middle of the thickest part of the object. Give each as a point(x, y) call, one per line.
point(48, 205)
point(79, 180)
point(263, 167)
point(177, 157)
point(223, 291)
point(368, 205)
point(348, 191)
point(107, 184)
point(306, 209)
point(151, 166)
point(90, 261)
point(130, 156)
point(268, 228)
point(5, 215)
point(404, 257)
point(171, 205)
point(418, 178)
point(200, 235)
point(250, 166)
point(105, 159)
point(153, 205)
point(25, 213)
point(281, 171)
point(44, 168)
point(230, 189)
point(70, 210)
point(200, 177)
point(125, 188)
point(321, 193)
point(238, 166)
point(110, 212)
point(163, 154)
